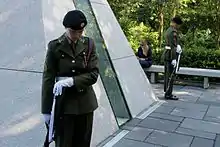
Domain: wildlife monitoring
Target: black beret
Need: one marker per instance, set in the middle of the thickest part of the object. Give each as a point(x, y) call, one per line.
point(177, 20)
point(75, 20)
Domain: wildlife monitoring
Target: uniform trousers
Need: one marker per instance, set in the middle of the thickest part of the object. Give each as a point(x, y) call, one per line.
point(169, 77)
point(76, 131)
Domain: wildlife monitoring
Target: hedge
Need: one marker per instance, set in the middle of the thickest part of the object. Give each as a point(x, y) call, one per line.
point(194, 58)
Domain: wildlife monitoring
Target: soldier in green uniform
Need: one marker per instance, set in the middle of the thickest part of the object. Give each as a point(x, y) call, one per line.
point(172, 49)
point(69, 74)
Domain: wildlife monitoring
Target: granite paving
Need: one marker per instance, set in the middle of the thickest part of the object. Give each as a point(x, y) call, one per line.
point(192, 121)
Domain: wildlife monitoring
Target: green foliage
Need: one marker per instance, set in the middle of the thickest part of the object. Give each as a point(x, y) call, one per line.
point(200, 39)
point(194, 58)
point(140, 32)
point(200, 32)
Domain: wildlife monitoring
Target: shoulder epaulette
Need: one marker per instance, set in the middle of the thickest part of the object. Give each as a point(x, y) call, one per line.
point(61, 39)
point(83, 39)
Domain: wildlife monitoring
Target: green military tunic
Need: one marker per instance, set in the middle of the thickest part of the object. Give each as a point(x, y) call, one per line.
point(66, 59)
point(170, 54)
point(172, 40)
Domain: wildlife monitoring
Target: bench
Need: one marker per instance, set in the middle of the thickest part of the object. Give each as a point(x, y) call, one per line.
point(206, 73)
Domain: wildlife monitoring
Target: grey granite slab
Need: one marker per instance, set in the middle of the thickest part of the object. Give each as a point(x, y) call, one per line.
point(159, 124)
point(133, 143)
point(197, 133)
point(138, 133)
point(166, 117)
point(201, 142)
point(190, 113)
point(169, 139)
point(201, 125)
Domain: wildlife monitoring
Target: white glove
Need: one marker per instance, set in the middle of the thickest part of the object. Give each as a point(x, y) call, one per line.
point(173, 63)
point(58, 87)
point(179, 49)
point(46, 118)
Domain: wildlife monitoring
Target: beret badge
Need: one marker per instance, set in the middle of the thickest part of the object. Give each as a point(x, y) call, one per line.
point(82, 25)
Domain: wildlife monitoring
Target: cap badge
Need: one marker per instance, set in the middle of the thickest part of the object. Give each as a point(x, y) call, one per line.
point(82, 25)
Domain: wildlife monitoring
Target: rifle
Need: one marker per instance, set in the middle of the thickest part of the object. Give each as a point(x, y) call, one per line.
point(50, 127)
point(46, 142)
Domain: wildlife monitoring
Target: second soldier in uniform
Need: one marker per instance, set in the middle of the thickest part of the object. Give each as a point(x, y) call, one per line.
point(69, 73)
point(172, 48)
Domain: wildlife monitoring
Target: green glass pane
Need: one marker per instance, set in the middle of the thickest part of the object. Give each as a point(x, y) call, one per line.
point(107, 72)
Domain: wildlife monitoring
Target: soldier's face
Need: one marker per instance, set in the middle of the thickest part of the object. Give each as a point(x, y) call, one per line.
point(177, 26)
point(74, 34)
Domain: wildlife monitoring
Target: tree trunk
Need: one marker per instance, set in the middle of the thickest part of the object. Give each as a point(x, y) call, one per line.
point(218, 25)
point(161, 19)
point(175, 7)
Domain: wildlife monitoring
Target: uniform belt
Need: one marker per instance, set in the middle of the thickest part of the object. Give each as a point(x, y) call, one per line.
point(61, 78)
point(167, 47)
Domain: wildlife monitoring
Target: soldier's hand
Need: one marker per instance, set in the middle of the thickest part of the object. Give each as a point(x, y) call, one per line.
point(174, 63)
point(58, 87)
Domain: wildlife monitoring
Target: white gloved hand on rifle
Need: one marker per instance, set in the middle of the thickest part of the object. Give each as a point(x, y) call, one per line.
point(179, 49)
point(174, 63)
point(58, 87)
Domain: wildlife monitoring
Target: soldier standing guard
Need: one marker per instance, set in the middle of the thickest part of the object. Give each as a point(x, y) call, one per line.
point(172, 49)
point(69, 73)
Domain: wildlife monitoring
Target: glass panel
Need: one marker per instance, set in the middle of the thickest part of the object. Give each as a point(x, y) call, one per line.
point(107, 72)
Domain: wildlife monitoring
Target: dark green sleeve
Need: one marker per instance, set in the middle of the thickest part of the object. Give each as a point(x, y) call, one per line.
point(48, 80)
point(173, 43)
point(87, 79)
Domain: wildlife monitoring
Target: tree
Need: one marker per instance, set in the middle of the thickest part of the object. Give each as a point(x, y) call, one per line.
point(201, 26)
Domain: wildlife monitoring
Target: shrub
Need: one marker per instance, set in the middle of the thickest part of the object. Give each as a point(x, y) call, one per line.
point(202, 39)
point(195, 58)
point(138, 32)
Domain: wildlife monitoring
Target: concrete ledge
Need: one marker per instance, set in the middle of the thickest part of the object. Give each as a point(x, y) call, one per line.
point(206, 73)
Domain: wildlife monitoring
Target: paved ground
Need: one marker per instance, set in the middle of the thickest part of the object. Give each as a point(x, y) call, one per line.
point(193, 121)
